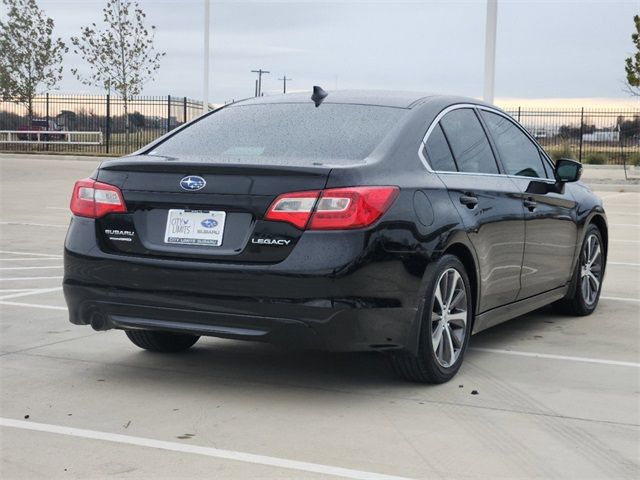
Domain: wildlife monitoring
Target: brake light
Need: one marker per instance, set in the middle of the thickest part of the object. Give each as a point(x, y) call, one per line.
point(333, 209)
point(95, 199)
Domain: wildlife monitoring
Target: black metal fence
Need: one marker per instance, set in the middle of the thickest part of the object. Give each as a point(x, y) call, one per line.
point(597, 136)
point(148, 118)
point(593, 136)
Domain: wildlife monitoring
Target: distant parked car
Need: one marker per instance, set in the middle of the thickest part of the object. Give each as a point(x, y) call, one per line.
point(393, 222)
point(41, 125)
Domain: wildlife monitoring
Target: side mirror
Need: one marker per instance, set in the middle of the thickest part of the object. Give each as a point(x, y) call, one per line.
point(568, 170)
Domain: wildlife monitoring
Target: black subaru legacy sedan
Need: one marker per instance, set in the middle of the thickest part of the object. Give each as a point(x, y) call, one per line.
point(394, 222)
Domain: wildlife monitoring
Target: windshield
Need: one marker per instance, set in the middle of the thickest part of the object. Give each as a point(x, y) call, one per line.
point(300, 130)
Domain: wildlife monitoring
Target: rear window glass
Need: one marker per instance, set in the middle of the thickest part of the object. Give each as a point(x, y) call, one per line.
point(292, 130)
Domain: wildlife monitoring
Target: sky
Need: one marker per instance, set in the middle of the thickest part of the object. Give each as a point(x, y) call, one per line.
point(548, 52)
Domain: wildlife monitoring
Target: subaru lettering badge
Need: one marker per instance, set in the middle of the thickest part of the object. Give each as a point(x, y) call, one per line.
point(209, 223)
point(192, 183)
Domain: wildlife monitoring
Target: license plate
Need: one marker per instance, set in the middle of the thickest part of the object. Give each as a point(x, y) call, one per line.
point(195, 227)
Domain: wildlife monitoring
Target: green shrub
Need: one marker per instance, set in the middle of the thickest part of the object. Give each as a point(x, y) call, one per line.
point(634, 159)
point(562, 151)
point(595, 159)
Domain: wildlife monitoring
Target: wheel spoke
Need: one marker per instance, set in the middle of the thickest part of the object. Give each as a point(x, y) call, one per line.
point(436, 337)
point(438, 297)
point(457, 335)
point(450, 350)
point(595, 283)
point(458, 297)
point(452, 287)
point(585, 287)
point(458, 319)
point(595, 255)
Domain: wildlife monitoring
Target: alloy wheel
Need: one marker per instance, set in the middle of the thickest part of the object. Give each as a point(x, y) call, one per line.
point(591, 269)
point(449, 317)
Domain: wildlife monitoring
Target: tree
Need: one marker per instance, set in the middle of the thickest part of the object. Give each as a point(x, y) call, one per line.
point(121, 56)
point(31, 58)
point(136, 119)
point(632, 63)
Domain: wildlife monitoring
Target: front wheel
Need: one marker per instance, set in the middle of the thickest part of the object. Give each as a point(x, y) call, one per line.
point(445, 328)
point(586, 286)
point(161, 341)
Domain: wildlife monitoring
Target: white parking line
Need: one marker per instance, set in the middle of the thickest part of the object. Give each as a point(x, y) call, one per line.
point(198, 450)
point(34, 254)
point(29, 259)
point(15, 279)
point(30, 268)
point(557, 357)
point(614, 195)
point(624, 241)
point(613, 212)
point(31, 291)
point(32, 305)
point(622, 299)
point(25, 224)
point(623, 264)
point(624, 225)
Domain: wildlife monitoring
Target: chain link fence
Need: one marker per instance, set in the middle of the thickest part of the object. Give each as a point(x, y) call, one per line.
point(593, 136)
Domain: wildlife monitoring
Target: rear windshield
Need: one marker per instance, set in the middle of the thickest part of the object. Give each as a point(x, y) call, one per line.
point(291, 130)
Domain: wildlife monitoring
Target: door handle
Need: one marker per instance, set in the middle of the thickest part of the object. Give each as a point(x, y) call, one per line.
point(530, 203)
point(469, 200)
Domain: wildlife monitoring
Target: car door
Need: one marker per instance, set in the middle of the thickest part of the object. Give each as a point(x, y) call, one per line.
point(489, 203)
point(550, 216)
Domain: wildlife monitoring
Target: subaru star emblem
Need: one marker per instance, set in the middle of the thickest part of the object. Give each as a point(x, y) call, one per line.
point(209, 223)
point(192, 183)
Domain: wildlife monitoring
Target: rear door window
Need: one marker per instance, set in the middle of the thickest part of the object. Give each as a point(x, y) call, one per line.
point(439, 153)
point(468, 141)
point(519, 155)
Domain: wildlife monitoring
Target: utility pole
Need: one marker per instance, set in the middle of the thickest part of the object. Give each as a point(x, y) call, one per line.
point(260, 72)
point(205, 82)
point(284, 84)
point(490, 51)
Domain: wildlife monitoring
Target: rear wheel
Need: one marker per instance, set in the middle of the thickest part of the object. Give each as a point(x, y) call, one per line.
point(584, 292)
point(161, 341)
point(445, 329)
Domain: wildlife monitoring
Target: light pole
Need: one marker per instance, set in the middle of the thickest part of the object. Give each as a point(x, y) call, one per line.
point(490, 51)
point(205, 82)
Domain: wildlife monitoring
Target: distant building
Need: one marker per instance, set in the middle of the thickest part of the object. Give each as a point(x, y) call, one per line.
point(602, 136)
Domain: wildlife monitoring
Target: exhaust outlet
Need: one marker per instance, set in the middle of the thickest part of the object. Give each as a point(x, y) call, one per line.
point(99, 321)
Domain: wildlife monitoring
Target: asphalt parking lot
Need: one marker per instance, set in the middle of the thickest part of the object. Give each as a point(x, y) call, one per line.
point(557, 397)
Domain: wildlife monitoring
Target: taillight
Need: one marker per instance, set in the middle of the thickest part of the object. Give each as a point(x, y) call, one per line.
point(333, 209)
point(94, 199)
point(294, 208)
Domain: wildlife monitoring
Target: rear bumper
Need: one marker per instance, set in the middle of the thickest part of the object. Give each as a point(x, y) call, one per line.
point(339, 301)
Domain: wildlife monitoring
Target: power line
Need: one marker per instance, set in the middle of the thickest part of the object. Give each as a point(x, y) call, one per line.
point(260, 72)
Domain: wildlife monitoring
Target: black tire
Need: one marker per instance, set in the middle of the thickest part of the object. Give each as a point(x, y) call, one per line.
point(575, 302)
point(161, 341)
point(426, 367)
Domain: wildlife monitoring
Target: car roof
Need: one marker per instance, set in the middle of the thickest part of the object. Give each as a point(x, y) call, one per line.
point(385, 98)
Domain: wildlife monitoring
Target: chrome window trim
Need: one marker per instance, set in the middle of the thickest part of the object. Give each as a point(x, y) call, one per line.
point(434, 123)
